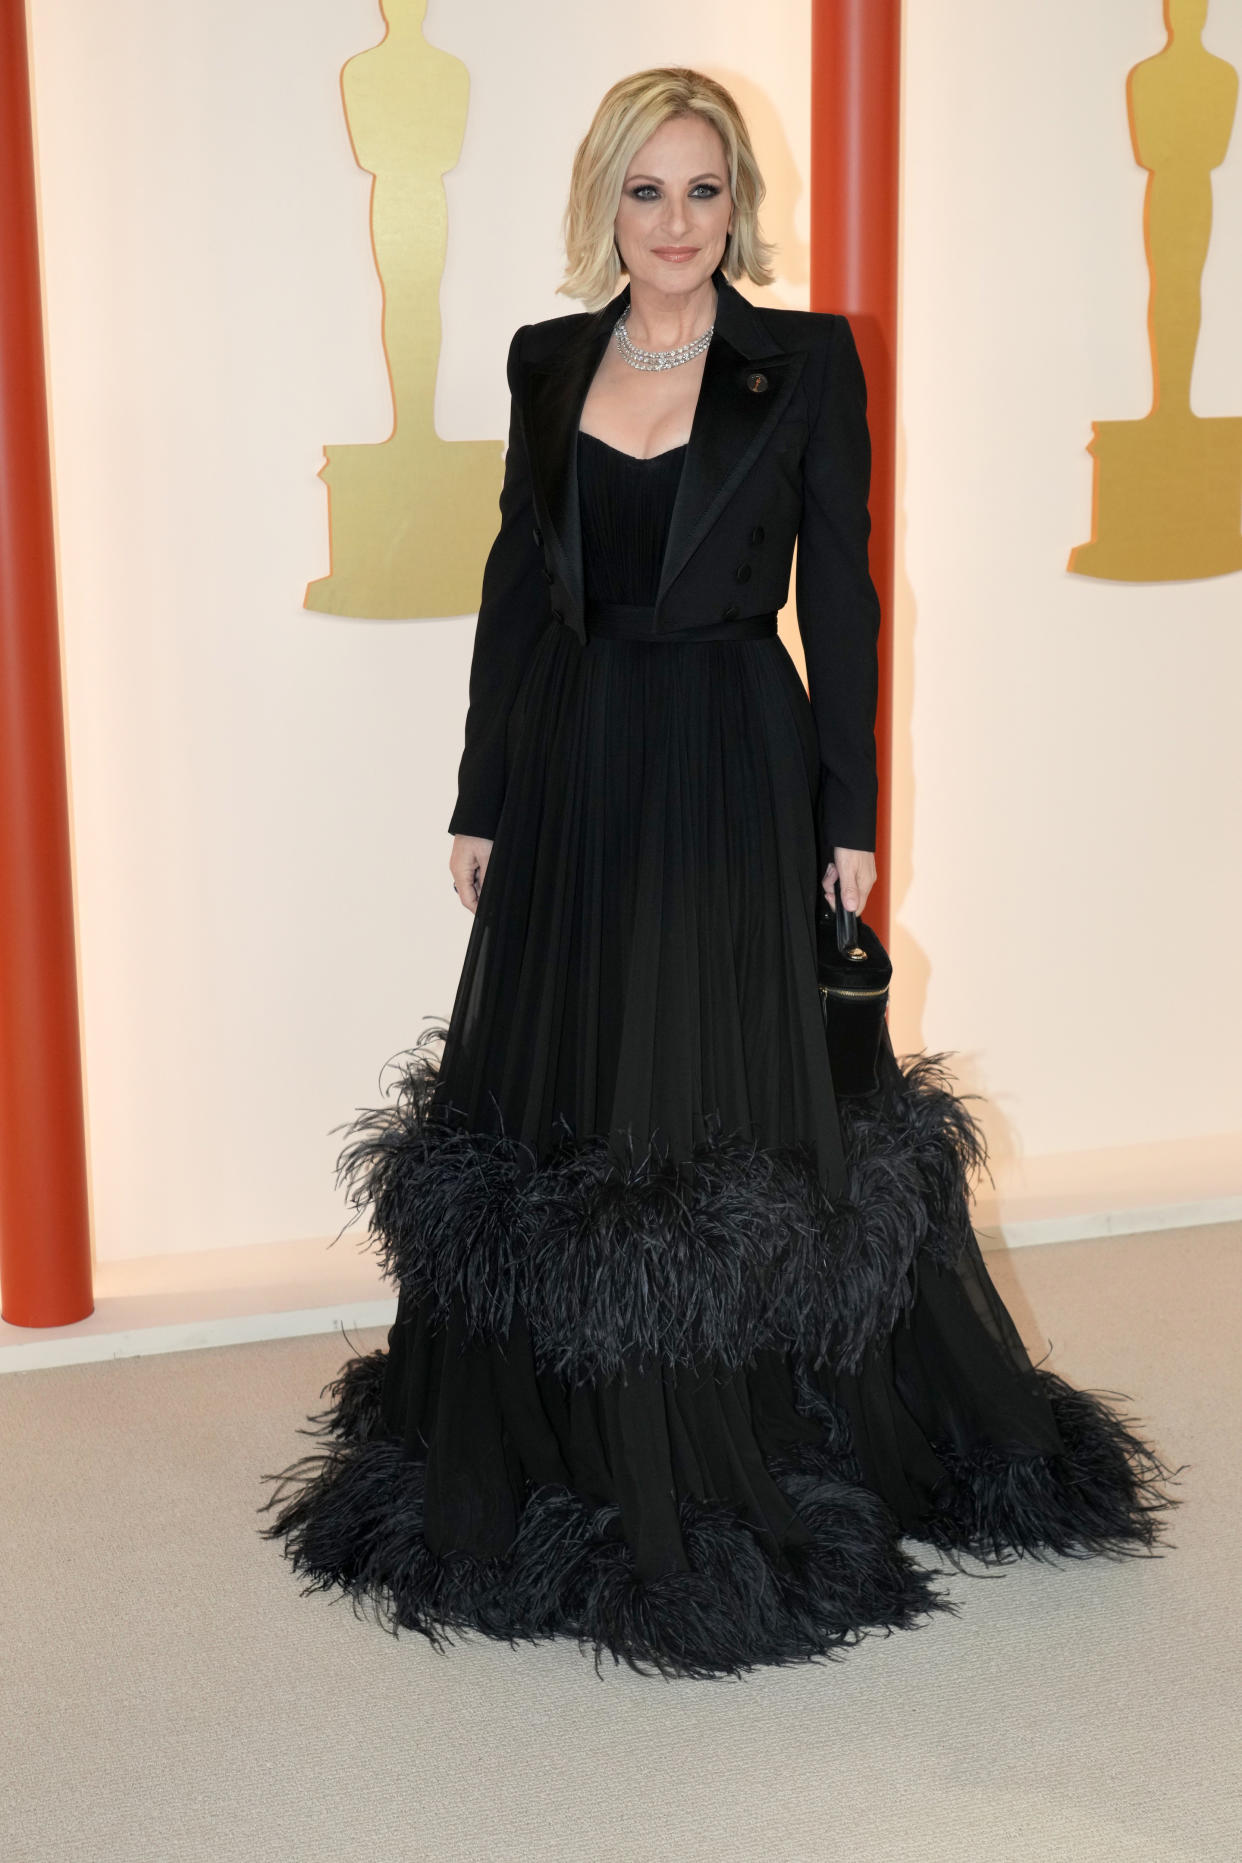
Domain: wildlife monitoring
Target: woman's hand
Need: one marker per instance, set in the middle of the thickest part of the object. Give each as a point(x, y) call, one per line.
point(855, 869)
point(468, 864)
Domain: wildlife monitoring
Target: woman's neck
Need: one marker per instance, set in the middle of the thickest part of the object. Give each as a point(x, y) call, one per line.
point(665, 319)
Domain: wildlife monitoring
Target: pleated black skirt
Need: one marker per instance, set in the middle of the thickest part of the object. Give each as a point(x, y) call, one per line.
point(686, 1350)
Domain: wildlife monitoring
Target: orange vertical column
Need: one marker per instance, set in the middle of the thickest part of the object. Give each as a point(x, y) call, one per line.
point(45, 1261)
point(855, 147)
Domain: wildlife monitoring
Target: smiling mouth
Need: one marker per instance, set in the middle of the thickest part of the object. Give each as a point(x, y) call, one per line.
point(674, 252)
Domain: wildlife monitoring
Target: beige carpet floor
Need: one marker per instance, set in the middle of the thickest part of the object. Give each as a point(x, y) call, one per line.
point(168, 1694)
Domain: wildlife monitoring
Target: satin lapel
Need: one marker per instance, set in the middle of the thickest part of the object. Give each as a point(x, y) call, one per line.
point(731, 423)
point(554, 395)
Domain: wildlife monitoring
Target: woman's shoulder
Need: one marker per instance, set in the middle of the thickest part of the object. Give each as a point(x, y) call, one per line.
point(535, 342)
point(799, 329)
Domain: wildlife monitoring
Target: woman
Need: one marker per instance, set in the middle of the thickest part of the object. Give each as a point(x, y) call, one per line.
point(685, 1346)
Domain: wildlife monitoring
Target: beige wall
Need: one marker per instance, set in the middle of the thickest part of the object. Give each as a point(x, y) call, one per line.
point(260, 793)
point(1070, 764)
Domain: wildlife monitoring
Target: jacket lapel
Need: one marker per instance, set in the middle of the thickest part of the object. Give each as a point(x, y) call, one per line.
point(731, 423)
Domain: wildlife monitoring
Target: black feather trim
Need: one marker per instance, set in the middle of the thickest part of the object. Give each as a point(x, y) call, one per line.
point(351, 1516)
point(650, 1258)
point(1102, 1498)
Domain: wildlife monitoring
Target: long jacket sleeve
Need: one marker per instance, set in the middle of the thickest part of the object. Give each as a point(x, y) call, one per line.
point(838, 607)
point(513, 611)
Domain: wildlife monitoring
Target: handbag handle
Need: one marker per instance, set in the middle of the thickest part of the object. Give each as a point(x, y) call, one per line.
point(847, 931)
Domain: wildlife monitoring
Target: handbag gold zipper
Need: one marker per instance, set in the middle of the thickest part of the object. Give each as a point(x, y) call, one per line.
point(828, 989)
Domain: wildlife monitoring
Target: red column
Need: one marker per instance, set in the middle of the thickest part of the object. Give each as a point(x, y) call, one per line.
point(45, 1258)
point(855, 142)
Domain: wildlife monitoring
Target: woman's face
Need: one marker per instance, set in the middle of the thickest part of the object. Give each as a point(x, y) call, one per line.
point(675, 207)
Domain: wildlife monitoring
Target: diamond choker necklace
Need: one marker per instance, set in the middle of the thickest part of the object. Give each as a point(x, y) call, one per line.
point(657, 358)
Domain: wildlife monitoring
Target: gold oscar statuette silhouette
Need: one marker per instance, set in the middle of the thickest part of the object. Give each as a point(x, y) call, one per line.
point(411, 517)
point(1167, 493)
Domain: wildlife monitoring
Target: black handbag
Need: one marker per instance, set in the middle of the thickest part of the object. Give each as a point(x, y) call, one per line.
point(854, 974)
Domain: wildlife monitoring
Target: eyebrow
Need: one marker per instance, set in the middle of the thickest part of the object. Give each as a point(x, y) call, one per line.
point(710, 176)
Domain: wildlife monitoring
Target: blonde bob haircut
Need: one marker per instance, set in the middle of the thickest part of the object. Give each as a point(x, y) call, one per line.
point(628, 114)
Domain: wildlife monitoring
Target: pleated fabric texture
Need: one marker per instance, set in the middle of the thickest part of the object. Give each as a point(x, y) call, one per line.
point(685, 1350)
point(645, 962)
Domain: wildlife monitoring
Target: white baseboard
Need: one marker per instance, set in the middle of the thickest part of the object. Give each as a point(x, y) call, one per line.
point(224, 1296)
point(1090, 1226)
point(87, 1348)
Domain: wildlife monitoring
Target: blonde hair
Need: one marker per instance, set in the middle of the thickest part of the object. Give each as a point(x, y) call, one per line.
point(628, 114)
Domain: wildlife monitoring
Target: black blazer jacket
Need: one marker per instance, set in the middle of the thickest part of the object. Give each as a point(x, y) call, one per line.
point(779, 449)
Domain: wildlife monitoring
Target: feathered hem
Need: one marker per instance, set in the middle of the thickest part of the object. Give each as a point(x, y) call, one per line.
point(355, 1524)
point(1105, 1497)
point(351, 1515)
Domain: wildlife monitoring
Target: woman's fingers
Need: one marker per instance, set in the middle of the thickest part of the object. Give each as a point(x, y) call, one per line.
point(468, 866)
point(854, 871)
point(829, 883)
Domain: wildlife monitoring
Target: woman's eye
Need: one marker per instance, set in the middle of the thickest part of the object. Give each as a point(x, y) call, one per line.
point(705, 189)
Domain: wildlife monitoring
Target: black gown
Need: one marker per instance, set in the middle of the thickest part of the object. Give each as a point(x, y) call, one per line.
point(685, 1347)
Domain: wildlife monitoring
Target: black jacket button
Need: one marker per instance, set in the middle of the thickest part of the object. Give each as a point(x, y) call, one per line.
point(756, 535)
point(549, 575)
point(742, 572)
point(731, 613)
point(756, 383)
point(537, 534)
point(557, 615)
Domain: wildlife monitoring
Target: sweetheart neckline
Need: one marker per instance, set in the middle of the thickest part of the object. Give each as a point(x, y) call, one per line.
point(642, 459)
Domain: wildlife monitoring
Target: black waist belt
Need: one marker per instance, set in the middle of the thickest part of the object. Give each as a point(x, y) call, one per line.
point(617, 621)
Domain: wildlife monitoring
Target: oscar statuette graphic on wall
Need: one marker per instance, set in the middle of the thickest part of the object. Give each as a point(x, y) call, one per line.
point(411, 517)
point(1167, 494)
